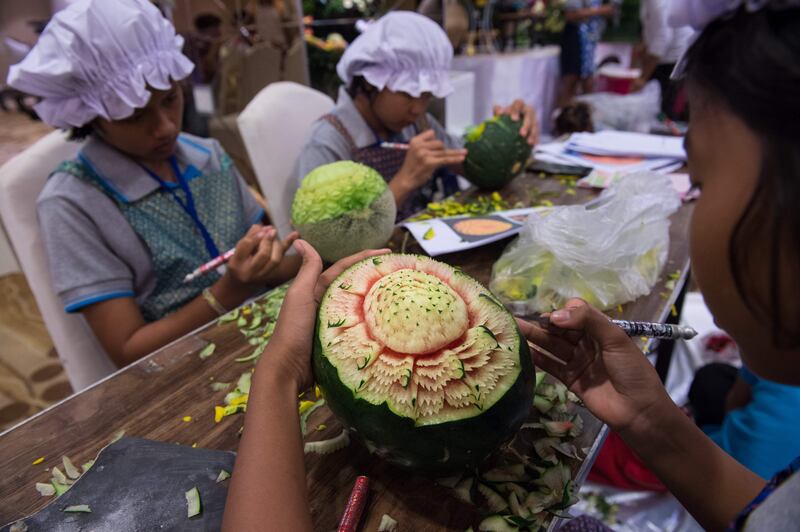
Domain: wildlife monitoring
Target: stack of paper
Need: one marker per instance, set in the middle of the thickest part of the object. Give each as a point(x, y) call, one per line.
point(625, 144)
point(617, 152)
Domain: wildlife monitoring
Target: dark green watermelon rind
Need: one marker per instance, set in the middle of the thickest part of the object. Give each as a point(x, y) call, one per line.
point(446, 447)
point(484, 165)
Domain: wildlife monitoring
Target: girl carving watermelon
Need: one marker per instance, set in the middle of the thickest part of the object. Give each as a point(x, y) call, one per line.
point(390, 73)
point(141, 205)
point(743, 78)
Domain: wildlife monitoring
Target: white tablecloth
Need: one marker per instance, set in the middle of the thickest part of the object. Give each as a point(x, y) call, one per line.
point(531, 75)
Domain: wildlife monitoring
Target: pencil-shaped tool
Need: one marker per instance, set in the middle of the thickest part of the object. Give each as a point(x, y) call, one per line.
point(355, 505)
point(394, 145)
point(647, 329)
point(213, 264)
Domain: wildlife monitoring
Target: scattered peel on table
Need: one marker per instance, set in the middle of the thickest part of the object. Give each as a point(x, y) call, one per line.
point(527, 492)
point(207, 351)
point(193, 506)
point(45, 489)
point(230, 316)
point(19, 526)
point(69, 468)
point(219, 386)
point(78, 508)
point(58, 476)
point(306, 413)
point(328, 446)
point(257, 352)
point(59, 482)
point(223, 475)
point(387, 524)
point(236, 400)
point(481, 204)
point(225, 411)
point(305, 405)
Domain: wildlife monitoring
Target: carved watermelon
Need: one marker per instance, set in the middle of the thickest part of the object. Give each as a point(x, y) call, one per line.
point(496, 152)
point(421, 362)
point(342, 208)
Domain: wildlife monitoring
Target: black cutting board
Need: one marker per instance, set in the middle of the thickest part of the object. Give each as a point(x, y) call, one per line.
point(140, 485)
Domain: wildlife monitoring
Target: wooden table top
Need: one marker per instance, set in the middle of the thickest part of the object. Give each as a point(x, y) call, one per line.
point(149, 399)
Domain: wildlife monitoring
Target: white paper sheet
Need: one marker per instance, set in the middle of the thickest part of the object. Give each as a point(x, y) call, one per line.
point(438, 236)
point(627, 144)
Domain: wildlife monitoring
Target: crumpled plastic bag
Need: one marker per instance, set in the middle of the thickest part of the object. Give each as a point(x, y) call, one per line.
point(625, 112)
point(608, 253)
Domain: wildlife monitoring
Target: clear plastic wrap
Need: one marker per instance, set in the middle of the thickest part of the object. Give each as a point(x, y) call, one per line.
point(608, 254)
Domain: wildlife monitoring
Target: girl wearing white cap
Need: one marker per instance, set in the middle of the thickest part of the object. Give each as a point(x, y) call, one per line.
point(390, 73)
point(141, 205)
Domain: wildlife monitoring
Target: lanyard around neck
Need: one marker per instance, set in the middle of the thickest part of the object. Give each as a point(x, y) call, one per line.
point(187, 205)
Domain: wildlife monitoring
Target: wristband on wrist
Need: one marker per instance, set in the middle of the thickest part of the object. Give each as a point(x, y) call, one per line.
point(213, 302)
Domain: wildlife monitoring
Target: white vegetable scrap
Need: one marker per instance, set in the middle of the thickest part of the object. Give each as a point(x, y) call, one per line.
point(78, 508)
point(328, 446)
point(387, 524)
point(193, 507)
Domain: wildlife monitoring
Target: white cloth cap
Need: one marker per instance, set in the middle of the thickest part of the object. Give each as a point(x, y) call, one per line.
point(95, 59)
point(402, 51)
point(699, 13)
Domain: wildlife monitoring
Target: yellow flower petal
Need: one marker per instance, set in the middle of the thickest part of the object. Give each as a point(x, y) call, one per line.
point(38, 460)
point(187, 419)
point(305, 405)
point(219, 413)
point(242, 399)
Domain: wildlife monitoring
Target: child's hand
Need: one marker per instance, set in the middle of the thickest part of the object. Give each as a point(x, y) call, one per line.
point(257, 255)
point(530, 125)
point(425, 154)
point(601, 364)
point(289, 350)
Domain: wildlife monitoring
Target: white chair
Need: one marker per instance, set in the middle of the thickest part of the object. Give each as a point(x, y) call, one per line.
point(21, 180)
point(274, 127)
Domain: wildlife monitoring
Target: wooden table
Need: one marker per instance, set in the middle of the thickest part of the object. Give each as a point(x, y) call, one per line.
point(150, 398)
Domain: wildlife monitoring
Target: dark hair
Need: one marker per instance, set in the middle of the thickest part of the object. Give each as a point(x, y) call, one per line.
point(78, 134)
point(749, 62)
point(359, 85)
point(573, 118)
point(206, 21)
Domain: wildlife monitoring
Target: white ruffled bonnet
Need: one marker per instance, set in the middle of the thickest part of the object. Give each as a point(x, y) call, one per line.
point(402, 51)
point(700, 13)
point(96, 58)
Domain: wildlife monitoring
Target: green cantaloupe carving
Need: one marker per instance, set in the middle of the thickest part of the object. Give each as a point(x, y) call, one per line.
point(342, 208)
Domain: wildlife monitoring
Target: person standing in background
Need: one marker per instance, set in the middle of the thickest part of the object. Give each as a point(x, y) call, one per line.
point(202, 47)
point(579, 38)
point(664, 45)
